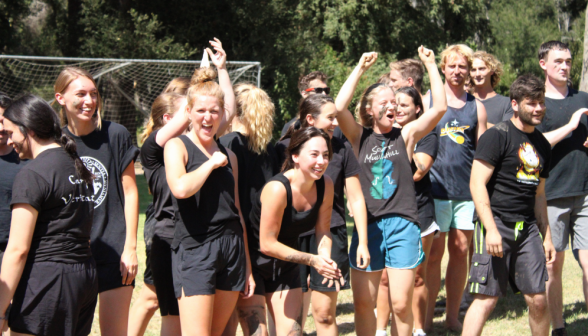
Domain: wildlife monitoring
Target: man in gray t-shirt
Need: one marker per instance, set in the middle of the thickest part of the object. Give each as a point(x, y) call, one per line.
point(485, 73)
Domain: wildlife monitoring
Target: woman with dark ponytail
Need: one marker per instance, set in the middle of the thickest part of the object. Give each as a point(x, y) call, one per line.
point(48, 270)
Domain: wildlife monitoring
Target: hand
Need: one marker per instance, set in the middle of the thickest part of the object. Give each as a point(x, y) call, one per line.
point(219, 59)
point(426, 55)
point(249, 286)
point(363, 256)
point(218, 159)
point(367, 60)
point(576, 117)
point(129, 266)
point(325, 267)
point(586, 143)
point(549, 251)
point(494, 243)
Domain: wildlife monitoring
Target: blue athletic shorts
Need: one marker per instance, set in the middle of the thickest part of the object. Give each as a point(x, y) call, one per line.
point(454, 214)
point(393, 242)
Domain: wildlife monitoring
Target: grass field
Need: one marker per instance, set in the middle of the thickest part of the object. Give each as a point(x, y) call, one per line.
point(509, 318)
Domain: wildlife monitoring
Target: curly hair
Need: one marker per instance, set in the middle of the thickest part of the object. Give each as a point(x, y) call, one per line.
point(492, 63)
point(456, 49)
point(255, 111)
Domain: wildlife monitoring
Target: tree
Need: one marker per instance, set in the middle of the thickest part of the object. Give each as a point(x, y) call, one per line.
point(584, 80)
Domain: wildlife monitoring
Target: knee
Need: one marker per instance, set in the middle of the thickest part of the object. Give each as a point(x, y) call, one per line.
point(419, 281)
point(538, 305)
point(323, 316)
point(384, 282)
point(363, 303)
point(150, 303)
point(458, 249)
point(402, 309)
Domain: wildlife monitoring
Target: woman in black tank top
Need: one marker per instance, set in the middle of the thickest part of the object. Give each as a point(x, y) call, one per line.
point(385, 153)
point(293, 202)
point(210, 261)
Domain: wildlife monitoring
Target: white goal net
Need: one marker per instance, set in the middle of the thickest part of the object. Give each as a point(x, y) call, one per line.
point(127, 86)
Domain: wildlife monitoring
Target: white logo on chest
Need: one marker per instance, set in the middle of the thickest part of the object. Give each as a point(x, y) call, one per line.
point(100, 179)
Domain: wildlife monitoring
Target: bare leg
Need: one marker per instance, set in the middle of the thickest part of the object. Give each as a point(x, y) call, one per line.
point(383, 303)
point(421, 290)
point(206, 314)
point(455, 280)
point(365, 292)
point(114, 311)
point(401, 298)
point(583, 259)
point(478, 313)
point(434, 277)
point(170, 325)
point(252, 315)
point(324, 311)
point(231, 328)
point(554, 290)
point(538, 314)
point(306, 302)
point(286, 310)
point(142, 310)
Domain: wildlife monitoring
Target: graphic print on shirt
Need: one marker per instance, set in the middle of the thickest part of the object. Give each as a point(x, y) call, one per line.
point(100, 178)
point(383, 185)
point(453, 132)
point(529, 169)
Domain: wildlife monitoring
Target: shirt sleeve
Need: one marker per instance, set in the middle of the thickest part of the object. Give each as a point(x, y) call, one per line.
point(29, 188)
point(429, 145)
point(352, 166)
point(151, 153)
point(508, 111)
point(490, 147)
point(127, 152)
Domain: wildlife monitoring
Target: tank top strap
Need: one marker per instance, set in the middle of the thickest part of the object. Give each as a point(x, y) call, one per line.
point(320, 191)
point(284, 180)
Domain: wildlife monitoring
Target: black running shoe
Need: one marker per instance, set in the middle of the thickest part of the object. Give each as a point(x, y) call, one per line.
point(559, 332)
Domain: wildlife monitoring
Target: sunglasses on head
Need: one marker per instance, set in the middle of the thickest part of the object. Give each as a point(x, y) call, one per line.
point(319, 90)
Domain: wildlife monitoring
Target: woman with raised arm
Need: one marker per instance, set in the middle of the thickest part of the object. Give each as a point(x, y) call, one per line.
point(107, 150)
point(48, 271)
point(319, 111)
point(210, 257)
point(385, 154)
point(295, 201)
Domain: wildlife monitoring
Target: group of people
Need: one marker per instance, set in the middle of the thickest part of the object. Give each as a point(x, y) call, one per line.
point(245, 231)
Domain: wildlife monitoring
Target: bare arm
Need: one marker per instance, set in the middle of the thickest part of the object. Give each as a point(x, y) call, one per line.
point(219, 59)
point(482, 120)
point(423, 162)
point(22, 227)
point(174, 127)
point(357, 204)
point(181, 183)
point(559, 134)
point(347, 123)
point(323, 224)
point(543, 221)
point(129, 265)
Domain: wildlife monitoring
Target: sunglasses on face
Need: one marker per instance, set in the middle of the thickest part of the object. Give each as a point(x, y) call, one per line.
point(319, 90)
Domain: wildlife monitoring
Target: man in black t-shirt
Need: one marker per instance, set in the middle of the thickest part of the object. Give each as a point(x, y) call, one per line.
point(566, 128)
point(485, 74)
point(508, 188)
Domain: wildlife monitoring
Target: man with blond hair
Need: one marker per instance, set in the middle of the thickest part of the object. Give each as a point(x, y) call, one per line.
point(407, 72)
point(485, 74)
point(459, 129)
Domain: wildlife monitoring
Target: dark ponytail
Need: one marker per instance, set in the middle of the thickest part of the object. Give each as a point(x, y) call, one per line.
point(31, 113)
point(299, 138)
point(312, 105)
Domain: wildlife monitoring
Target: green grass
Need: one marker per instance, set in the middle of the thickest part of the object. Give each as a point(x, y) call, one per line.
point(509, 318)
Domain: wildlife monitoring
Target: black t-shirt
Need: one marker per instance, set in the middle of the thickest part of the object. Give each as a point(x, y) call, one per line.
point(51, 185)
point(254, 169)
point(520, 159)
point(498, 108)
point(569, 165)
point(428, 145)
point(343, 164)
point(107, 152)
point(10, 165)
point(153, 166)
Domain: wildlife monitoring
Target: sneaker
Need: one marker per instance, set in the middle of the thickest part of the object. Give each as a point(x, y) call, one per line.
point(381, 332)
point(559, 332)
point(419, 332)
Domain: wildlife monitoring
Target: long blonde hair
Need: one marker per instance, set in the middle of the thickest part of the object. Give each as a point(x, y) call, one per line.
point(255, 111)
point(68, 75)
point(365, 103)
point(165, 103)
point(202, 84)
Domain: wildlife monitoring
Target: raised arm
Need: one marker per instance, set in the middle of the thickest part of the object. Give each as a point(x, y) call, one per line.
point(219, 59)
point(417, 129)
point(175, 127)
point(559, 134)
point(351, 129)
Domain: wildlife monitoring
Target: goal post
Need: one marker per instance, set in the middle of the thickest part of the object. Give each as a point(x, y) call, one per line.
point(128, 87)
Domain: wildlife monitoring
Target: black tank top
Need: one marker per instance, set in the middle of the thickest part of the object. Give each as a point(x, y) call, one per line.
point(294, 223)
point(211, 212)
point(386, 176)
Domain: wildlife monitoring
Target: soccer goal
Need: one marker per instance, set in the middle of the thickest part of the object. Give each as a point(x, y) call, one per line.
point(127, 86)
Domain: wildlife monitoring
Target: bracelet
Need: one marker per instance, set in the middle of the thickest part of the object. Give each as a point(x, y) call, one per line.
point(3, 318)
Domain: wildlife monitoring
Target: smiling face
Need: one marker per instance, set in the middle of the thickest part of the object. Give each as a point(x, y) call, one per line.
point(327, 120)
point(383, 107)
point(456, 70)
point(17, 140)
point(313, 158)
point(557, 65)
point(205, 115)
point(530, 112)
point(80, 99)
point(406, 111)
point(480, 73)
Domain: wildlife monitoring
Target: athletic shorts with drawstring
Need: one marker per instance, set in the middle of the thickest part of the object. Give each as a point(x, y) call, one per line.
point(522, 264)
point(393, 242)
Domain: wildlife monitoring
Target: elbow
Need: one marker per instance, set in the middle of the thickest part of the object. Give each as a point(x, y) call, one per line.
point(18, 253)
point(179, 192)
point(265, 247)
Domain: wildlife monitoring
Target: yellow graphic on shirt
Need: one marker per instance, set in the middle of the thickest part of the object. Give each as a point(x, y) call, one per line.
point(528, 171)
point(454, 131)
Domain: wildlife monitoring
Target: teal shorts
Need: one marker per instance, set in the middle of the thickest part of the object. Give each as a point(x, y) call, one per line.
point(393, 242)
point(454, 215)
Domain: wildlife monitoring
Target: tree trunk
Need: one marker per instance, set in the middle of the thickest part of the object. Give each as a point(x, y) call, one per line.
point(584, 80)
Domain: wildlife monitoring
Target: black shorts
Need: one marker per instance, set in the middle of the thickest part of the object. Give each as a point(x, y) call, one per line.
point(426, 213)
point(148, 233)
point(55, 299)
point(282, 276)
point(339, 254)
point(523, 264)
point(161, 266)
point(217, 264)
point(109, 277)
point(148, 274)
